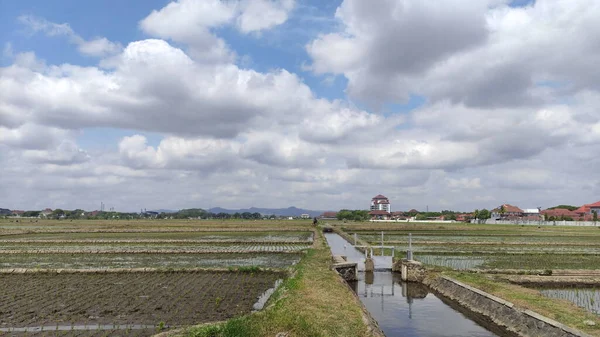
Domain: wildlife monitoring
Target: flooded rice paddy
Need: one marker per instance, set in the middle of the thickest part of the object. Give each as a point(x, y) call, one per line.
point(587, 298)
point(510, 248)
point(267, 236)
point(108, 261)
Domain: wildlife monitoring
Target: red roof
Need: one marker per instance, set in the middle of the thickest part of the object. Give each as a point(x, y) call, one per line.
point(582, 209)
point(379, 213)
point(329, 215)
point(558, 212)
point(509, 209)
point(594, 205)
point(379, 196)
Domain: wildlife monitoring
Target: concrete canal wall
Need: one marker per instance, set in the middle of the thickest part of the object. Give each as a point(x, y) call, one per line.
point(501, 312)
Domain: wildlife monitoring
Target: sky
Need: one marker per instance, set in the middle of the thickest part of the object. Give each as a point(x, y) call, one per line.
point(438, 104)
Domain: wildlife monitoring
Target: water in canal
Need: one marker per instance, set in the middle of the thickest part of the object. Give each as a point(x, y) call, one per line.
point(405, 309)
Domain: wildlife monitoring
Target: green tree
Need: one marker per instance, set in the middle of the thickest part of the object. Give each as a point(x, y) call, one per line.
point(502, 211)
point(594, 216)
point(57, 213)
point(484, 214)
point(451, 216)
point(569, 207)
point(476, 214)
point(356, 215)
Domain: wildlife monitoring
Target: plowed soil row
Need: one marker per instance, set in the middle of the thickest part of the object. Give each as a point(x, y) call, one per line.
point(177, 299)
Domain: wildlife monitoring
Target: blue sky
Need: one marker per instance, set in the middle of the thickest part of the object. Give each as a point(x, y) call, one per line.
point(169, 104)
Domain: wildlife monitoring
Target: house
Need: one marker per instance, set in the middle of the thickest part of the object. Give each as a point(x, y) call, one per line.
point(18, 213)
point(507, 211)
point(45, 213)
point(328, 215)
point(464, 217)
point(595, 207)
point(399, 216)
point(380, 203)
point(380, 215)
point(589, 208)
point(586, 212)
point(560, 213)
point(305, 216)
point(150, 214)
point(532, 214)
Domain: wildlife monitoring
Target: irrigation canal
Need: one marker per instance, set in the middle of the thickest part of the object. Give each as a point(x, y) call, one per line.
point(404, 309)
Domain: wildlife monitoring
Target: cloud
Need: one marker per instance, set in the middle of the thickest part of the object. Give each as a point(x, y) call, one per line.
point(179, 154)
point(66, 153)
point(464, 183)
point(33, 136)
point(154, 86)
point(257, 15)
point(496, 53)
point(506, 117)
point(192, 22)
point(99, 46)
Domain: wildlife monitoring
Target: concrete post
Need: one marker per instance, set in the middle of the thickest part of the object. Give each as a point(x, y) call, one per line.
point(409, 254)
point(381, 243)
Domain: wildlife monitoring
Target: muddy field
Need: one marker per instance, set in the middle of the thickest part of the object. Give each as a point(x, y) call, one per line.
point(112, 300)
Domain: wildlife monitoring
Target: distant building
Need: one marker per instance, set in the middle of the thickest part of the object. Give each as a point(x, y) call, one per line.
point(380, 208)
point(17, 213)
point(150, 214)
point(398, 216)
point(464, 217)
point(510, 212)
point(380, 215)
point(560, 213)
point(589, 208)
point(305, 216)
point(45, 212)
point(380, 203)
point(328, 215)
point(586, 212)
point(595, 207)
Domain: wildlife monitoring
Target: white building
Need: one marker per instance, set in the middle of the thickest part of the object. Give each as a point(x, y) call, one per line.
point(380, 203)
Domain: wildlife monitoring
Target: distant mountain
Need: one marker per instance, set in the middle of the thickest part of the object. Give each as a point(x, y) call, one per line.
point(290, 211)
point(164, 211)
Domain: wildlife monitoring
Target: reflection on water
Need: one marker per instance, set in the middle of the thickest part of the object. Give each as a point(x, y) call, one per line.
point(410, 310)
point(405, 309)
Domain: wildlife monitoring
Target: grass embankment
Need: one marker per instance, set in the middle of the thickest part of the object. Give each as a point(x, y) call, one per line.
point(560, 310)
point(313, 302)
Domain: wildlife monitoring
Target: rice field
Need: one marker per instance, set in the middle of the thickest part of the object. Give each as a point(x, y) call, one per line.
point(136, 305)
point(462, 246)
point(208, 236)
point(587, 298)
point(86, 302)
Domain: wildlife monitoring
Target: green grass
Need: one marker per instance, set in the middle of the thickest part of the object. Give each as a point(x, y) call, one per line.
point(314, 302)
point(560, 310)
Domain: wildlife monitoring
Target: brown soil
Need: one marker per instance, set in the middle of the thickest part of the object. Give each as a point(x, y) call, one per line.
point(177, 299)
